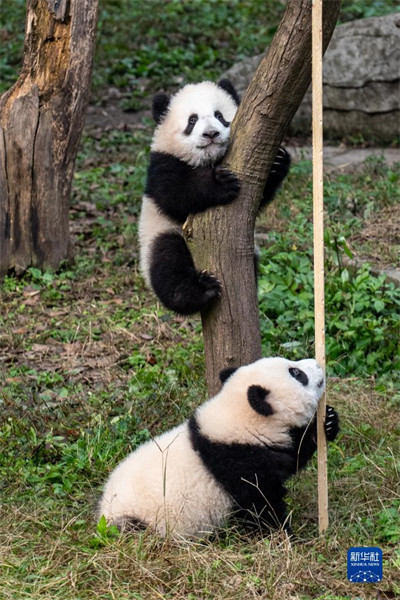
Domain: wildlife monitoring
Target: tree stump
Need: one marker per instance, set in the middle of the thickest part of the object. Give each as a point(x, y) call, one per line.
point(41, 122)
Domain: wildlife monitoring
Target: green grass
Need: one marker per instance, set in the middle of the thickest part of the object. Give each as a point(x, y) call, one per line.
point(52, 549)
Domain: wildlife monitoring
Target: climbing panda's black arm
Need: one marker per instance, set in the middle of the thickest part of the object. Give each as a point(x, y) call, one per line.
point(278, 172)
point(180, 189)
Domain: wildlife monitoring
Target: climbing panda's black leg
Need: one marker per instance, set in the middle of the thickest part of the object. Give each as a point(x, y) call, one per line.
point(174, 277)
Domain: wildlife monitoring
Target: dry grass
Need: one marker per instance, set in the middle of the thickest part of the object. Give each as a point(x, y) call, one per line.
point(48, 548)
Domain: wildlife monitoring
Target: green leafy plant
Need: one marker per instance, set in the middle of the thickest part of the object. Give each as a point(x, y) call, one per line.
point(105, 534)
point(386, 524)
point(362, 310)
point(362, 322)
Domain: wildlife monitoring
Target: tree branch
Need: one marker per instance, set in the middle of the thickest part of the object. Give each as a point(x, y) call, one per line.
point(223, 237)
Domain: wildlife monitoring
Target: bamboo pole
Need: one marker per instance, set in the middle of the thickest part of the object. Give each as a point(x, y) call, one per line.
point(318, 221)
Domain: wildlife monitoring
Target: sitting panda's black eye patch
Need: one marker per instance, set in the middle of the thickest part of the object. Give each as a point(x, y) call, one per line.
point(299, 375)
point(192, 120)
point(218, 115)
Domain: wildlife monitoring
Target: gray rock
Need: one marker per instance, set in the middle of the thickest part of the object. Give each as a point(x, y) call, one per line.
point(361, 81)
point(363, 51)
point(342, 159)
point(241, 73)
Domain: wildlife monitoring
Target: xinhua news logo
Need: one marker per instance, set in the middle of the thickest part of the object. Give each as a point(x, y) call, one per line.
point(364, 564)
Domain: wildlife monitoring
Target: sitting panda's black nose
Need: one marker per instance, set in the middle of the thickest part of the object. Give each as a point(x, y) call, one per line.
point(211, 134)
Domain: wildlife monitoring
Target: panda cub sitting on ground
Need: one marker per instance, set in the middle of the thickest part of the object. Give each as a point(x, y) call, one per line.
point(231, 458)
point(184, 177)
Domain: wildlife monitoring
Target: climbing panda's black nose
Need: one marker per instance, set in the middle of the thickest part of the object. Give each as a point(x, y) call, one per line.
point(211, 134)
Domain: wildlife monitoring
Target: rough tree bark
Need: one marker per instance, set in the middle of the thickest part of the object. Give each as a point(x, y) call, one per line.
point(41, 121)
point(222, 239)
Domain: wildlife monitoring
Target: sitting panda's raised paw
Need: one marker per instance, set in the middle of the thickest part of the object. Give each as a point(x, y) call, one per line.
point(228, 185)
point(331, 423)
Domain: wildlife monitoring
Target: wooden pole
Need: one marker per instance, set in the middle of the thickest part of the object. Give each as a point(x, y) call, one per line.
point(318, 219)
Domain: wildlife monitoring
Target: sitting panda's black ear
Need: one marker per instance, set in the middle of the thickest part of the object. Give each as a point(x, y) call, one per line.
point(257, 397)
point(228, 86)
point(160, 106)
point(226, 373)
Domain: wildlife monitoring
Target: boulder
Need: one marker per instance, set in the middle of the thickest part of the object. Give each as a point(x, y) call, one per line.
point(361, 81)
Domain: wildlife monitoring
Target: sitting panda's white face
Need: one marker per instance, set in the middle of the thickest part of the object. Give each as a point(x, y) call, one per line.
point(260, 403)
point(196, 125)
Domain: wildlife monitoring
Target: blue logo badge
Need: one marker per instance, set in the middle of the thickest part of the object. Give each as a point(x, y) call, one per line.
point(364, 564)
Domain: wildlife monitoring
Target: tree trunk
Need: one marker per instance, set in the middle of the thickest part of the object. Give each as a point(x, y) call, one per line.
point(41, 121)
point(222, 239)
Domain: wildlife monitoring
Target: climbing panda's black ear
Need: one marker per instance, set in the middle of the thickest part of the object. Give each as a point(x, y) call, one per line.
point(160, 106)
point(257, 397)
point(226, 373)
point(228, 86)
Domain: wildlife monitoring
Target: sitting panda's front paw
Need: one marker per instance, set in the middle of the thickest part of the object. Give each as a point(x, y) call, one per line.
point(228, 185)
point(280, 166)
point(331, 423)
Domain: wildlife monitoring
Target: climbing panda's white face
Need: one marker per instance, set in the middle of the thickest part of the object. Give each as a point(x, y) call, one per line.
point(260, 403)
point(196, 125)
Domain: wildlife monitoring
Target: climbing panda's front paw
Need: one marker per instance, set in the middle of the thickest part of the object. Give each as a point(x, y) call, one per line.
point(228, 185)
point(280, 166)
point(331, 423)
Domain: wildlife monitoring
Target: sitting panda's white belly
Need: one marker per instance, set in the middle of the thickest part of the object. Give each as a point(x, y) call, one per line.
point(166, 485)
point(152, 222)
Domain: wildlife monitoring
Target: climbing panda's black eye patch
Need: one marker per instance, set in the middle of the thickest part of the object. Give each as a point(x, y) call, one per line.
point(299, 375)
point(192, 120)
point(218, 115)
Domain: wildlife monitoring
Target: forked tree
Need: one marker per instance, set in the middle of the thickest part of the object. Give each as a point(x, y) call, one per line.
point(41, 121)
point(222, 238)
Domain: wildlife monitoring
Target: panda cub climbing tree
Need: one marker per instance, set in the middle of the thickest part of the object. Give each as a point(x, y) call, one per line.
point(185, 177)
